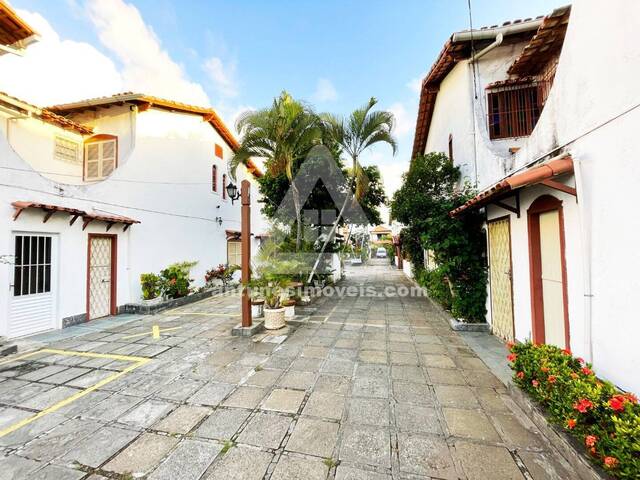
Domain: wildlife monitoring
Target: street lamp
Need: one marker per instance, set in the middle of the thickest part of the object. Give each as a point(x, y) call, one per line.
point(232, 192)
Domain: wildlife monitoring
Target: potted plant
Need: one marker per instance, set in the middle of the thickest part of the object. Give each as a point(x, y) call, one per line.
point(273, 310)
point(150, 283)
point(223, 273)
point(257, 307)
point(289, 308)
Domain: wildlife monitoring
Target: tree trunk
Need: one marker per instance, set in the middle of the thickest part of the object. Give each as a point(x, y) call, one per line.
point(297, 206)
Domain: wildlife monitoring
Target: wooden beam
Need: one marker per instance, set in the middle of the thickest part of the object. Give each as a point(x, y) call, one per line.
point(17, 213)
point(73, 219)
point(560, 186)
point(126, 227)
point(87, 221)
point(109, 225)
point(48, 215)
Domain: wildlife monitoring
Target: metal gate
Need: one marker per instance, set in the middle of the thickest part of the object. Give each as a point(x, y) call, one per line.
point(101, 281)
point(32, 307)
point(501, 276)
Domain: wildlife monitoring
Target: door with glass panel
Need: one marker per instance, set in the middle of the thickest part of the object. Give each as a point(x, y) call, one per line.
point(32, 306)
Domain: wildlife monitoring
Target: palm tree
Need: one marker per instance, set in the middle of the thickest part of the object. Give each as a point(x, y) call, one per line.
point(362, 129)
point(283, 135)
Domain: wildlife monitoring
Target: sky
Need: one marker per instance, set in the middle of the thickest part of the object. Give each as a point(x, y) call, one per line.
point(236, 55)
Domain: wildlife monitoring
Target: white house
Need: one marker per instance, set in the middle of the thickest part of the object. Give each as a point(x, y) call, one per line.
point(542, 115)
point(97, 192)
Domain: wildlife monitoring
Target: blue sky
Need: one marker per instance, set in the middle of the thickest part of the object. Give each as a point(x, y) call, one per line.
point(239, 54)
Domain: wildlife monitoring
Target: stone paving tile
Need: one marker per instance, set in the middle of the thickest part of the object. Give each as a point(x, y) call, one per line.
point(410, 373)
point(326, 405)
point(456, 396)
point(49, 398)
point(211, 394)
point(100, 446)
point(32, 430)
point(53, 472)
point(344, 472)
point(188, 461)
point(264, 378)
point(366, 446)
point(223, 423)
point(265, 430)
point(284, 400)
point(515, 434)
point(180, 389)
point(299, 380)
point(313, 437)
point(60, 440)
point(481, 462)
point(470, 424)
point(245, 397)
point(543, 466)
point(13, 467)
point(146, 414)
point(417, 419)
point(113, 407)
point(241, 463)
point(369, 411)
point(290, 467)
point(142, 455)
point(408, 392)
point(425, 455)
point(338, 385)
point(182, 419)
point(375, 387)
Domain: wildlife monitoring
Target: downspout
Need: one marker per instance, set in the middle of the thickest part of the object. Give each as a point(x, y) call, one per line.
point(471, 62)
point(585, 228)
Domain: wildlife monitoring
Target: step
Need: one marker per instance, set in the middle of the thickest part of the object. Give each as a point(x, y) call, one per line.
point(7, 348)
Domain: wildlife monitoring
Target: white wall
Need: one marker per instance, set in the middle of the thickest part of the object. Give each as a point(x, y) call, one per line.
point(163, 180)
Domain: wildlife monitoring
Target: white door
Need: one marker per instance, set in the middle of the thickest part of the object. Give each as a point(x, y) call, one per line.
point(32, 307)
point(552, 282)
point(100, 288)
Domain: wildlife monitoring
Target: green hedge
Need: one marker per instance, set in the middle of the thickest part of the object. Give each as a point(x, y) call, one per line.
point(603, 419)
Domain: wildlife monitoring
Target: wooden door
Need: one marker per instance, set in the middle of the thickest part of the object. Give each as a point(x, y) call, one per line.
point(501, 277)
point(548, 272)
point(101, 277)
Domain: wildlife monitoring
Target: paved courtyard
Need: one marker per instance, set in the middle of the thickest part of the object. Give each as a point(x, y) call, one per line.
point(369, 388)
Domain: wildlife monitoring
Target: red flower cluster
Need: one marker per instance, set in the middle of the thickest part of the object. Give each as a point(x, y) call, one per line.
point(571, 423)
point(610, 462)
point(583, 405)
point(520, 375)
point(552, 379)
point(535, 383)
point(512, 357)
point(618, 402)
point(587, 371)
point(590, 440)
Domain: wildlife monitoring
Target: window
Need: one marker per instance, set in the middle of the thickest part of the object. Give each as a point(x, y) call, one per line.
point(451, 148)
point(234, 252)
point(515, 110)
point(218, 151)
point(224, 186)
point(214, 178)
point(32, 269)
point(100, 157)
point(66, 150)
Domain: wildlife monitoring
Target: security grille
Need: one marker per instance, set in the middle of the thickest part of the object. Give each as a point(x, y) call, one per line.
point(32, 269)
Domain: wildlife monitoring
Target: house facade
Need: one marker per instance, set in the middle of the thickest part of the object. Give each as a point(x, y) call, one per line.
point(544, 124)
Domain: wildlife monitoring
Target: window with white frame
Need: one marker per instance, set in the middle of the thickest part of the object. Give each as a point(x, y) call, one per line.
point(66, 150)
point(234, 252)
point(100, 157)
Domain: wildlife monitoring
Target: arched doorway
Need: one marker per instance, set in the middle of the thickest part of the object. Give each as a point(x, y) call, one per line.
point(549, 305)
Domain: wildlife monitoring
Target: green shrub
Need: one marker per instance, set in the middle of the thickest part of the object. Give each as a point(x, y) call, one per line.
point(150, 283)
point(603, 419)
point(437, 286)
point(175, 279)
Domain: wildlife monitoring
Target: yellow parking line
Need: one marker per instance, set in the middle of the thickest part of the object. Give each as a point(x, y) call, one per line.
point(152, 332)
point(138, 362)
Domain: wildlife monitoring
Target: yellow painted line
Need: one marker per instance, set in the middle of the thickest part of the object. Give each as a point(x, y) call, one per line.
point(138, 362)
point(155, 331)
point(152, 332)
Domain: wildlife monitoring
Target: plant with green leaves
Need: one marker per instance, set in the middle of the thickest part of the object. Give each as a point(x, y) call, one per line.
point(430, 190)
point(283, 135)
point(151, 284)
point(175, 281)
point(361, 130)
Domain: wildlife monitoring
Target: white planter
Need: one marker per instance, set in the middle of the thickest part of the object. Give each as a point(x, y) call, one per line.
point(273, 318)
point(290, 311)
point(153, 301)
point(257, 310)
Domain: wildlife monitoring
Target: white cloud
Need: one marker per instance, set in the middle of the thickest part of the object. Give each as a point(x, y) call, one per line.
point(415, 84)
point(223, 76)
point(325, 91)
point(54, 70)
point(405, 120)
point(147, 67)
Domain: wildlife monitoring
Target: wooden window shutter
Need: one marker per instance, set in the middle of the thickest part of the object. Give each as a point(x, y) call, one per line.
point(218, 150)
point(100, 157)
point(214, 178)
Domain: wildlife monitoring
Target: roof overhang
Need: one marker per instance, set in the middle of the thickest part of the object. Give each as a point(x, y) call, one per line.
point(541, 174)
point(15, 33)
point(145, 102)
point(74, 214)
point(458, 48)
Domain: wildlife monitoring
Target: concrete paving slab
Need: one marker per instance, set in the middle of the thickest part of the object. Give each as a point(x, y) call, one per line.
point(283, 400)
point(223, 423)
point(290, 467)
point(98, 448)
point(182, 420)
point(313, 437)
point(141, 456)
point(188, 461)
point(241, 463)
point(366, 446)
point(265, 430)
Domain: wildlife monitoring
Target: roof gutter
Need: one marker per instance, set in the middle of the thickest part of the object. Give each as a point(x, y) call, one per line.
point(489, 33)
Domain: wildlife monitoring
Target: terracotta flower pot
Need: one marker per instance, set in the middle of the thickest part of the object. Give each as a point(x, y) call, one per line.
point(273, 318)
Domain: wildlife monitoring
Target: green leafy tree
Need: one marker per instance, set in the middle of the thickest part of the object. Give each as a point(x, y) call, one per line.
point(428, 193)
point(282, 134)
point(355, 134)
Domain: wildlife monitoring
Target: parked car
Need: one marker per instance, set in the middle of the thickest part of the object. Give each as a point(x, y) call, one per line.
point(381, 252)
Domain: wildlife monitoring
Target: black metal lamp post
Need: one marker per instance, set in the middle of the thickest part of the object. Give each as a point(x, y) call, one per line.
point(232, 192)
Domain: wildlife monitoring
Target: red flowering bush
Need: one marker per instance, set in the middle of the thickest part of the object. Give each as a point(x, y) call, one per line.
point(603, 419)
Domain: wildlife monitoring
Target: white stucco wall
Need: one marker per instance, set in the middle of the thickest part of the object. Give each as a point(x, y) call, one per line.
point(165, 182)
